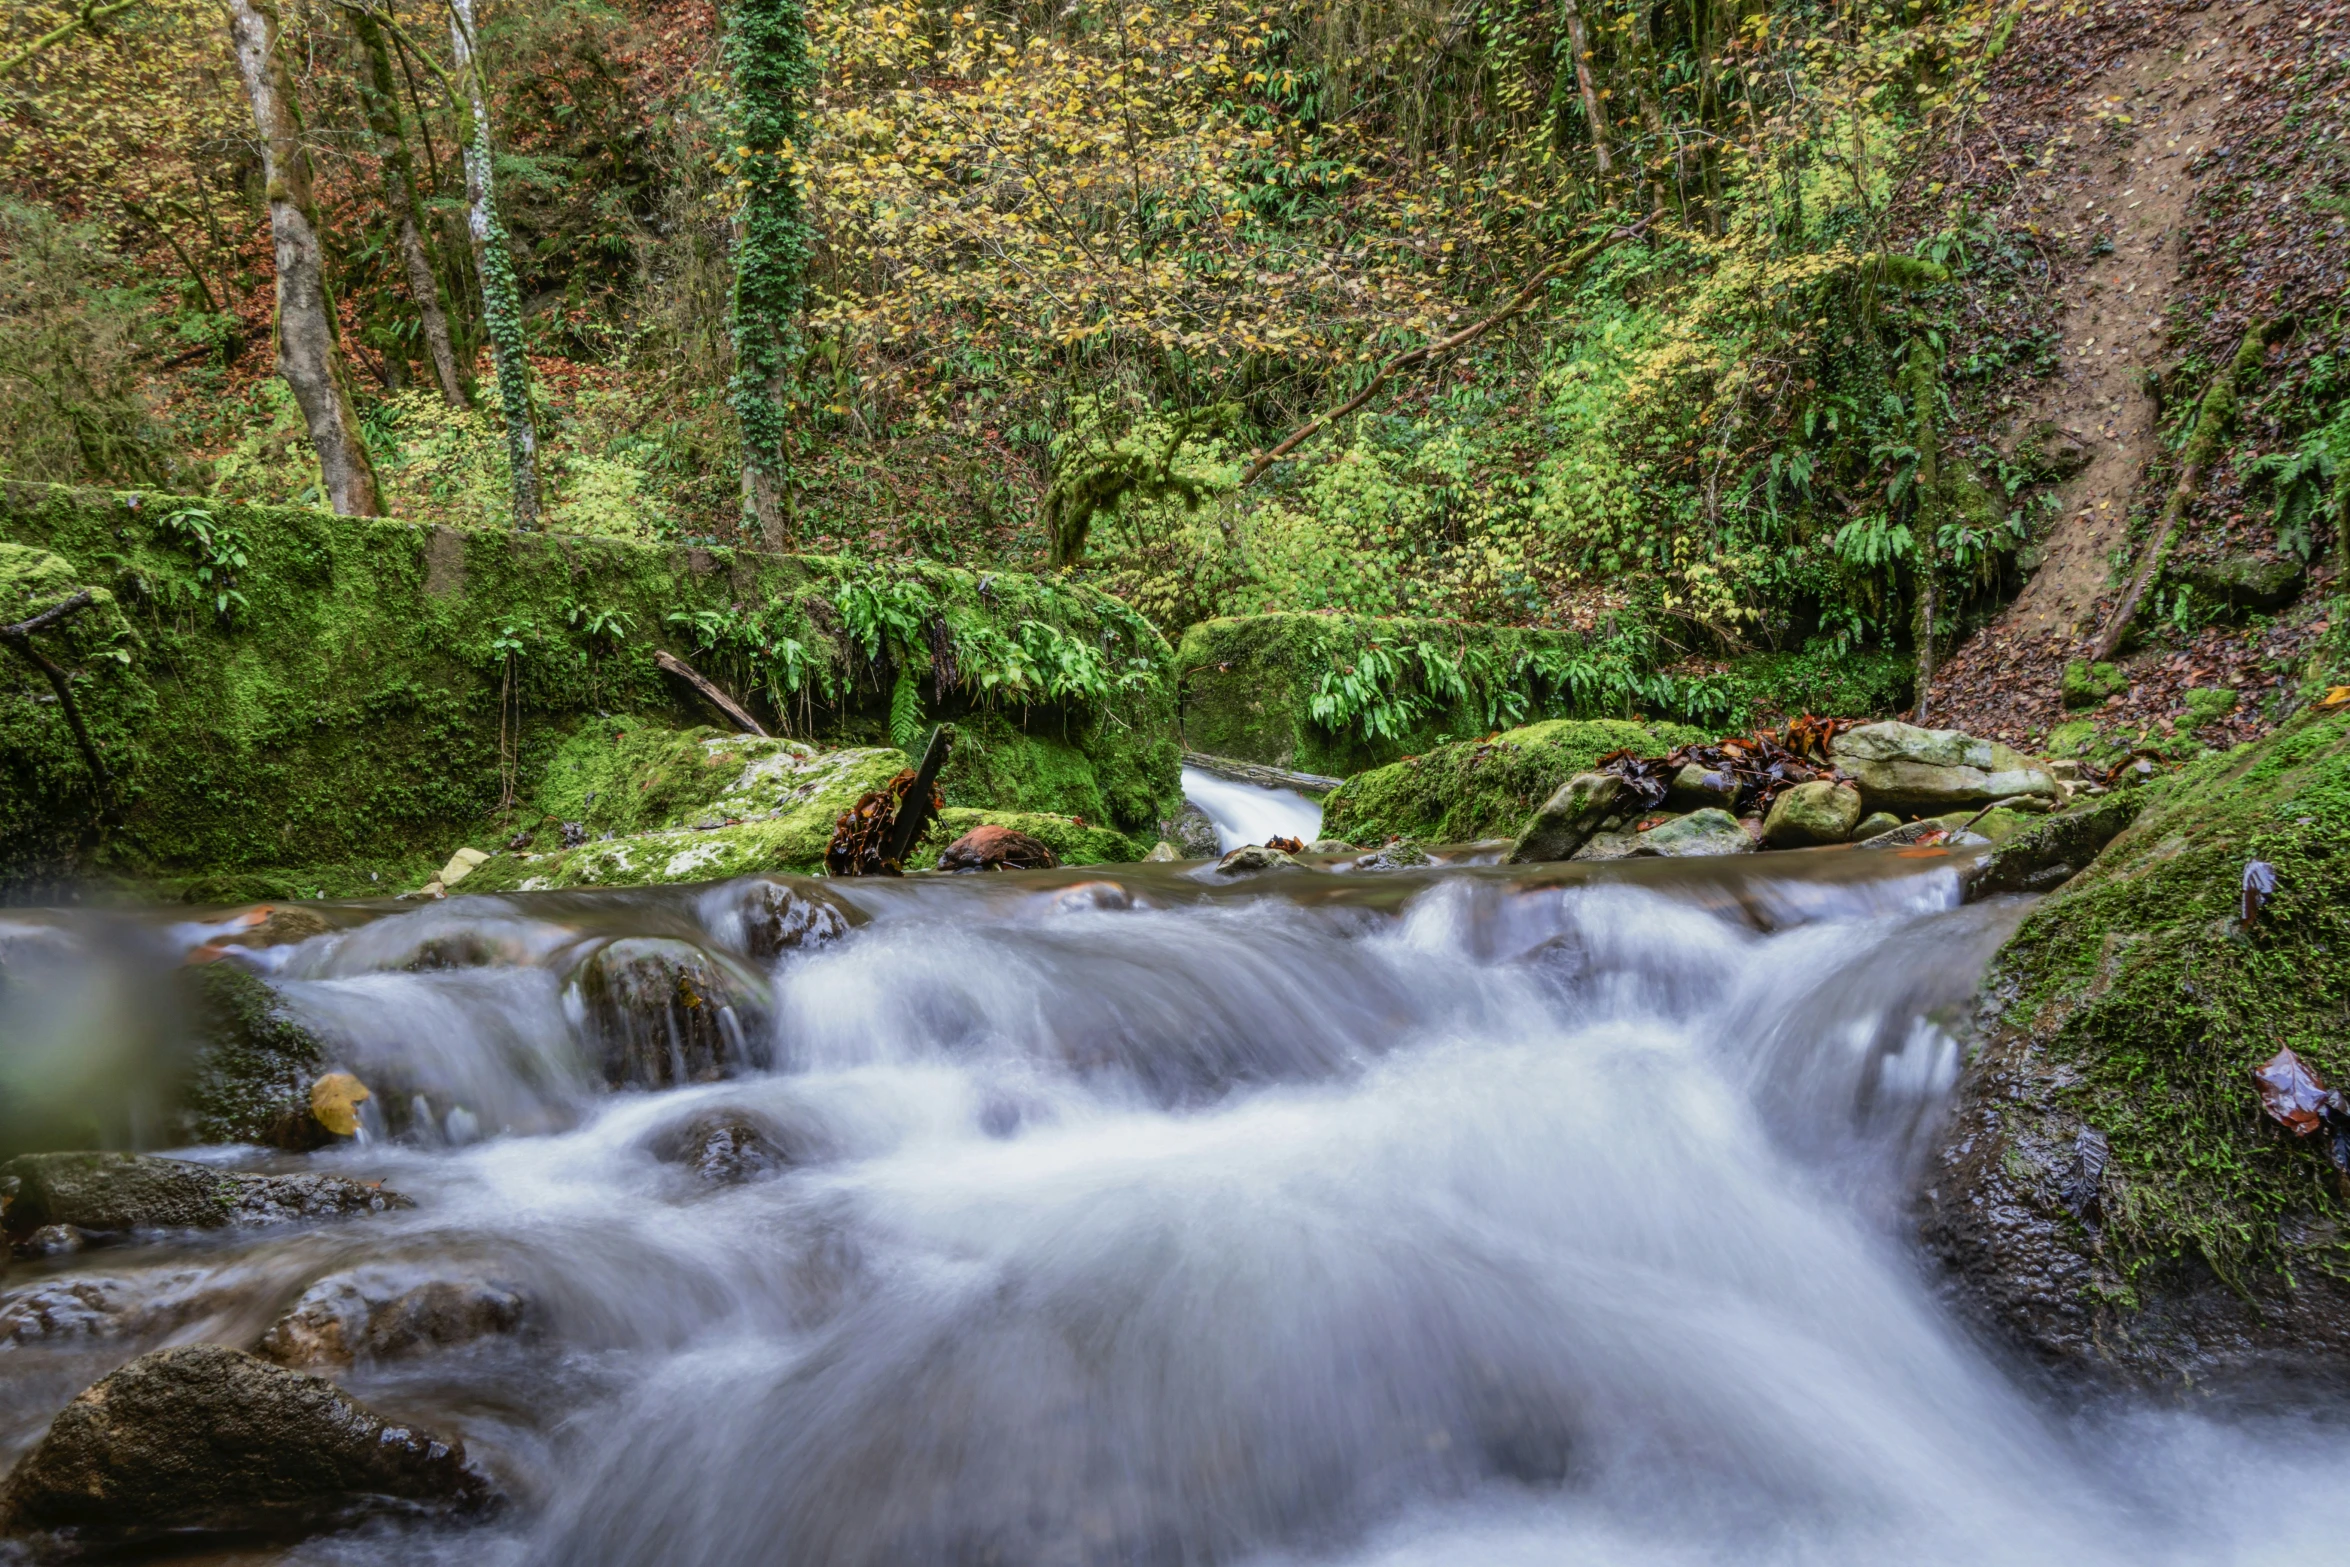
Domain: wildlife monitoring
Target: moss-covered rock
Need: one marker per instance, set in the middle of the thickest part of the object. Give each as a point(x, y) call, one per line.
point(2251, 583)
point(374, 689)
point(1483, 788)
point(254, 1066)
point(1073, 842)
point(2086, 685)
point(2109, 1192)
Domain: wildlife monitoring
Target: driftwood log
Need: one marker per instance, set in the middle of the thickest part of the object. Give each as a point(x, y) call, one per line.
point(709, 691)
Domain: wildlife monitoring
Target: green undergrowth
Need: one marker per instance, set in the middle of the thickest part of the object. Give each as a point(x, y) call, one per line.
point(2155, 1008)
point(1336, 694)
point(1483, 788)
point(298, 703)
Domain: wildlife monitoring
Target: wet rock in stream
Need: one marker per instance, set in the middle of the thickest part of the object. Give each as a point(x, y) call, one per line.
point(341, 1320)
point(665, 1013)
point(777, 918)
point(206, 1440)
point(117, 1192)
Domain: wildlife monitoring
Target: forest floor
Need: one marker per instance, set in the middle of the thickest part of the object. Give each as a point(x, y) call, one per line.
point(2186, 201)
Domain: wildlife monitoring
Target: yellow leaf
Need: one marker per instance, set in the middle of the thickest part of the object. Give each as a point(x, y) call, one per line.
point(335, 1100)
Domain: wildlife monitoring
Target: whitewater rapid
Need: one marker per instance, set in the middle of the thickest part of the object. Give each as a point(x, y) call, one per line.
point(1467, 1216)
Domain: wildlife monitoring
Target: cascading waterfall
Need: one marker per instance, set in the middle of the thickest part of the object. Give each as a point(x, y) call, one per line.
point(1477, 1216)
point(1249, 813)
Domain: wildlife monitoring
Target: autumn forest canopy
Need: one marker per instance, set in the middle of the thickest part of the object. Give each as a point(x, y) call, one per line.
point(1707, 329)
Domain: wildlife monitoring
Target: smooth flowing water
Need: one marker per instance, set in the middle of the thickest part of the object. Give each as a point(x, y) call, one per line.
point(1247, 813)
point(1458, 1216)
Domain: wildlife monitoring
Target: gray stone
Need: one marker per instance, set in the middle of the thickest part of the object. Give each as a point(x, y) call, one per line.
point(1695, 788)
point(1902, 768)
point(206, 1440)
point(1811, 814)
point(125, 1191)
point(779, 918)
point(1609, 846)
point(1191, 831)
point(1704, 832)
point(1330, 846)
point(1568, 818)
point(1162, 853)
point(1252, 857)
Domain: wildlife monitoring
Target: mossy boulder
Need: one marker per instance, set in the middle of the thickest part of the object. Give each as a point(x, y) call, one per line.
point(254, 1065)
point(1483, 788)
point(1811, 814)
point(1702, 833)
point(2206, 704)
point(2109, 1193)
point(2252, 583)
point(110, 1192)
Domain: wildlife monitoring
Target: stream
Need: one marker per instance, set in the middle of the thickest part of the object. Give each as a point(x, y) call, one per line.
point(1481, 1215)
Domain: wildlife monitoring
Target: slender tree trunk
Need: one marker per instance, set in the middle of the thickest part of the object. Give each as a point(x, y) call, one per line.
point(1579, 42)
point(379, 94)
point(1652, 113)
point(1925, 392)
point(767, 56)
point(501, 301)
point(307, 354)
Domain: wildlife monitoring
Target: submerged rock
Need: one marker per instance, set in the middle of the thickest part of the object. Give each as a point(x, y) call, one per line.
point(1705, 832)
point(1810, 814)
point(731, 1146)
point(779, 918)
point(206, 1440)
point(342, 1320)
point(662, 1013)
point(123, 1191)
point(1900, 767)
point(1568, 819)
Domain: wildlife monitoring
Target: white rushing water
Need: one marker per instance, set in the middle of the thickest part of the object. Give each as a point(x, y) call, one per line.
point(1246, 813)
point(1446, 1218)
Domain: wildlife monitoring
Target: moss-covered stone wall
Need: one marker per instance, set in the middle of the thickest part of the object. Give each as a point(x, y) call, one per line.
point(296, 702)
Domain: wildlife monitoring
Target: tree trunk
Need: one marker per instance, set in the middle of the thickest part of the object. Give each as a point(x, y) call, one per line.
point(1645, 89)
point(1925, 393)
point(2212, 417)
point(1579, 42)
point(379, 94)
point(767, 56)
point(307, 354)
point(501, 302)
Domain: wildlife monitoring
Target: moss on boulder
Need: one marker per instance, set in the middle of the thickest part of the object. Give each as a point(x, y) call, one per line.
point(1483, 788)
point(1073, 842)
point(2110, 1192)
point(376, 687)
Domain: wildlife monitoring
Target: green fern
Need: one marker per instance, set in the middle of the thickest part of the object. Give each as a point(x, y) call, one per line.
point(905, 712)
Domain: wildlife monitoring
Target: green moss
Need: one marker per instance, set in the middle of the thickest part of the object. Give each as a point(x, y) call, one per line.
point(782, 798)
point(1483, 788)
point(2086, 685)
point(2153, 1008)
point(1074, 842)
point(2206, 704)
point(366, 708)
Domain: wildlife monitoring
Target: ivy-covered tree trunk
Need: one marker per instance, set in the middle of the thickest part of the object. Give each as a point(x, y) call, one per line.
point(308, 355)
point(379, 94)
point(1579, 44)
point(1925, 400)
point(767, 57)
point(501, 299)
